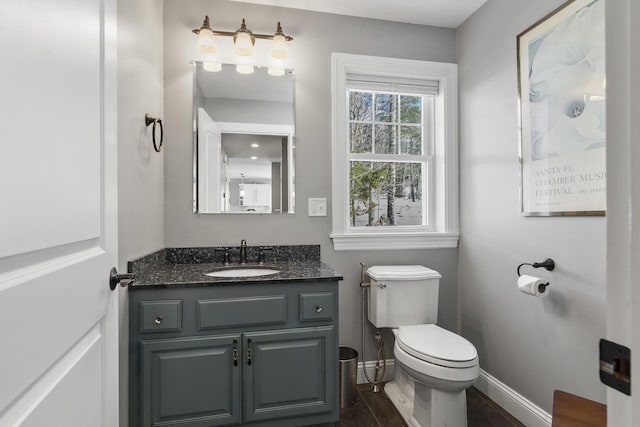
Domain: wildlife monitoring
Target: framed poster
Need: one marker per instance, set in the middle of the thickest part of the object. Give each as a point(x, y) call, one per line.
point(561, 85)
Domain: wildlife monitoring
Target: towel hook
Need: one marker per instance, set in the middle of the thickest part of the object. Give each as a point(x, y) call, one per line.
point(148, 120)
point(548, 264)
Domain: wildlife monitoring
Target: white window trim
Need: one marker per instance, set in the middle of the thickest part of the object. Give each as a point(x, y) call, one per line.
point(446, 232)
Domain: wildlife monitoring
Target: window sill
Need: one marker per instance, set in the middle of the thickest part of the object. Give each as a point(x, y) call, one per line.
point(393, 241)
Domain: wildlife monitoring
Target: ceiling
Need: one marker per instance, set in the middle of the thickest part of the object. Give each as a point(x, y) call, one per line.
point(239, 145)
point(239, 153)
point(439, 13)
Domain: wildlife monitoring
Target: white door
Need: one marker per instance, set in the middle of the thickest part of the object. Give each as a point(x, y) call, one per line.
point(210, 186)
point(623, 199)
point(58, 213)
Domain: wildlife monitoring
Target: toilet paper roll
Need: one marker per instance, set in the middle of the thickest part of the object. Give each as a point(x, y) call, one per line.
point(532, 285)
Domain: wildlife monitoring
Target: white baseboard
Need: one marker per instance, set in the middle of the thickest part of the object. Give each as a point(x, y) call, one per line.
point(517, 405)
point(371, 371)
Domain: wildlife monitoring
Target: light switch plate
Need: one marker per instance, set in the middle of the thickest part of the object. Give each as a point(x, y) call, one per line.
point(317, 206)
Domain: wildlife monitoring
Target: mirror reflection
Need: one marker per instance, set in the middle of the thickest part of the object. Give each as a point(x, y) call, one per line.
point(243, 141)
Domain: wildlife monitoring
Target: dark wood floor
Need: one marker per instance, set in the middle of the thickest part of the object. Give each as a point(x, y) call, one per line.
point(376, 410)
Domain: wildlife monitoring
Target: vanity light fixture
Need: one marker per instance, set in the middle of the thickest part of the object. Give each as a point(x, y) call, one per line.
point(275, 71)
point(213, 67)
point(279, 46)
point(206, 43)
point(244, 68)
point(244, 42)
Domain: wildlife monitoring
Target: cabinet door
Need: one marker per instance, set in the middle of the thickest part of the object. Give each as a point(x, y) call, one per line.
point(190, 382)
point(289, 373)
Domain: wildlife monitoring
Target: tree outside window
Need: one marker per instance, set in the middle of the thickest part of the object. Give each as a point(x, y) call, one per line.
point(387, 158)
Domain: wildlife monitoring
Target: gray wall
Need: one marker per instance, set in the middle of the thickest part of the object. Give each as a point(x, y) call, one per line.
point(140, 91)
point(316, 35)
point(140, 168)
point(532, 345)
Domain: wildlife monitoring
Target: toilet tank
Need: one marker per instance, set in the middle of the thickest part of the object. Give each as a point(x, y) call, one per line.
point(403, 295)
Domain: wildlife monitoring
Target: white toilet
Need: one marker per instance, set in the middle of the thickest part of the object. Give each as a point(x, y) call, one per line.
point(434, 367)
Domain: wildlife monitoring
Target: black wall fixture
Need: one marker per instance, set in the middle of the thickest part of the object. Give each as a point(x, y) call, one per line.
point(548, 264)
point(149, 120)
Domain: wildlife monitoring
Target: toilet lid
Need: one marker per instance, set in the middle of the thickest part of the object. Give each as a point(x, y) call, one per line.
point(402, 272)
point(434, 344)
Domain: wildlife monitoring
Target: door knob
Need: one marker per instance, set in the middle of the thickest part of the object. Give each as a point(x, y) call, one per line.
point(124, 279)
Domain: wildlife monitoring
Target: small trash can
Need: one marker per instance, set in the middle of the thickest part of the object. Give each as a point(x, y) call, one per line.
point(348, 376)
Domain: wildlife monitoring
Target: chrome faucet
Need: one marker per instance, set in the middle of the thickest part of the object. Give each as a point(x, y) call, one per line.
point(243, 251)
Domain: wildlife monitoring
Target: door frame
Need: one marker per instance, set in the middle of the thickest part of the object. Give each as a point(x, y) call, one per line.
point(623, 182)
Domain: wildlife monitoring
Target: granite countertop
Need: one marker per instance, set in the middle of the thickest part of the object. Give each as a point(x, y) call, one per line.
point(188, 267)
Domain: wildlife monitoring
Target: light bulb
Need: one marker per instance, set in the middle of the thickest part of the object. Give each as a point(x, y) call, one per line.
point(275, 71)
point(279, 47)
point(206, 43)
point(212, 67)
point(244, 68)
point(243, 41)
point(243, 45)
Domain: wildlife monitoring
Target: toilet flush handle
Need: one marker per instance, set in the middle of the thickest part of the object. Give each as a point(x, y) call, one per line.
point(382, 285)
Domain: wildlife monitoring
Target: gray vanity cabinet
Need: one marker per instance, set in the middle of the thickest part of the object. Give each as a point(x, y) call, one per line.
point(190, 382)
point(288, 373)
point(260, 355)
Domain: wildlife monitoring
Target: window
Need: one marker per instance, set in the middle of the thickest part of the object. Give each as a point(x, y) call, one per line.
point(394, 153)
point(390, 157)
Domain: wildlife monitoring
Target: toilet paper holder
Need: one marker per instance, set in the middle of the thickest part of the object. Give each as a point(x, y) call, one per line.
point(548, 264)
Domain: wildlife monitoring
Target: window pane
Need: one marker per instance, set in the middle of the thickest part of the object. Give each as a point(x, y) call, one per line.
point(411, 140)
point(360, 137)
point(385, 194)
point(386, 139)
point(386, 107)
point(360, 106)
point(411, 109)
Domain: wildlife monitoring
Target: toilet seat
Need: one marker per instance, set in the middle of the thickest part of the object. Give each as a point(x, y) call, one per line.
point(442, 377)
point(433, 344)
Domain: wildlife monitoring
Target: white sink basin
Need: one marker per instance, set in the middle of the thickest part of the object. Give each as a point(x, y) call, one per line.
point(243, 272)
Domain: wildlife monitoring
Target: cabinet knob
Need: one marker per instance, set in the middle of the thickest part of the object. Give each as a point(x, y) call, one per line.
point(158, 320)
point(318, 308)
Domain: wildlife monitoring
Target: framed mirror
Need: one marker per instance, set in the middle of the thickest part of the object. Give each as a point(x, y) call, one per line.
point(244, 127)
